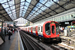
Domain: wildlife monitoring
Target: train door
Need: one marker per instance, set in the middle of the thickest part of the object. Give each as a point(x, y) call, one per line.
point(36, 28)
point(53, 29)
point(31, 30)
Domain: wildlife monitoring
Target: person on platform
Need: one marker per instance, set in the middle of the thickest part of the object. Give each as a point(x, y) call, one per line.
point(9, 34)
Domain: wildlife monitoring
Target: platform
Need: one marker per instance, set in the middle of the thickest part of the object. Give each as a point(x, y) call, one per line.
point(72, 38)
point(68, 41)
point(14, 44)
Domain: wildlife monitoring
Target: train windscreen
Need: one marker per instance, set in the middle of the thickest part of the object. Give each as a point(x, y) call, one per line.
point(47, 29)
point(57, 28)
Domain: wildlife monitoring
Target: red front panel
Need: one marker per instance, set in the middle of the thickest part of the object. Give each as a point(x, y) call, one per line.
point(44, 33)
point(52, 30)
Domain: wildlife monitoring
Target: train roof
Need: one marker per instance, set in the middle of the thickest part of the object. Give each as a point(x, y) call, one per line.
point(39, 24)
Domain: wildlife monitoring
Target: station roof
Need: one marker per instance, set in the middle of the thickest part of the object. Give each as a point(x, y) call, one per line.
point(4, 15)
point(33, 10)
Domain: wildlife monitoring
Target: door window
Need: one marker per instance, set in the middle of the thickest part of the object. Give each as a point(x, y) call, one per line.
point(47, 29)
point(53, 30)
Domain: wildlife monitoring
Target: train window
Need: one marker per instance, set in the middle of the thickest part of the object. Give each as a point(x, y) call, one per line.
point(34, 29)
point(41, 28)
point(57, 28)
point(38, 28)
point(47, 29)
point(53, 29)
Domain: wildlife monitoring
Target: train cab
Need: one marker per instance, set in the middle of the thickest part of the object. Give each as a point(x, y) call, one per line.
point(51, 29)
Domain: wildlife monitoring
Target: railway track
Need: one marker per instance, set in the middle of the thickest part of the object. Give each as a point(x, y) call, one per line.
point(57, 47)
point(34, 46)
point(29, 44)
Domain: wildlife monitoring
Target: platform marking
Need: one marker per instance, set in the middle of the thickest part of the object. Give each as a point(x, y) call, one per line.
point(18, 41)
point(21, 42)
point(12, 47)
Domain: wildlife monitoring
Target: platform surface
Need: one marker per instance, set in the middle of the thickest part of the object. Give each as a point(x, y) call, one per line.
point(69, 41)
point(67, 37)
point(14, 44)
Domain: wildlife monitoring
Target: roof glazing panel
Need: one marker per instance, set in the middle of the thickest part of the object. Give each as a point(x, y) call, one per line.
point(24, 6)
point(9, 7)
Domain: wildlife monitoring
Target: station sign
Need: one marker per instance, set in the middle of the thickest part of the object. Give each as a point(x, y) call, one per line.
point(66, 22)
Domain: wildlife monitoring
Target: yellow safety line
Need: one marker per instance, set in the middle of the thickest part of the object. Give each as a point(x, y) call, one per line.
point(13, 43)
point(18, 41)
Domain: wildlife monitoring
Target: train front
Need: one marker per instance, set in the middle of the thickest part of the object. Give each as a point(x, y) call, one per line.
point(51, 30)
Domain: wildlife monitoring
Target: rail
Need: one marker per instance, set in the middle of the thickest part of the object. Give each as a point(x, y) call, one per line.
point(29, 44)
point(52, 46)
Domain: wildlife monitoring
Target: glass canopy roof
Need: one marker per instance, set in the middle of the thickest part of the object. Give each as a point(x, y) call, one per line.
point(9, 6)
point(35, 10)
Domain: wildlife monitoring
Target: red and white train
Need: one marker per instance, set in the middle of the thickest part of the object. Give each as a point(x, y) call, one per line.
point(48, 30)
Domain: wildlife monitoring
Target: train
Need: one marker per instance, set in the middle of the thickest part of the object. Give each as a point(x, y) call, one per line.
point(47, 31)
